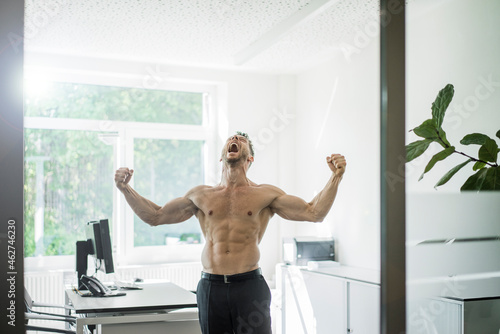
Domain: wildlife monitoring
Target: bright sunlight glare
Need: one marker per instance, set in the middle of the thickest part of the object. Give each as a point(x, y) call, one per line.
point(36, 84)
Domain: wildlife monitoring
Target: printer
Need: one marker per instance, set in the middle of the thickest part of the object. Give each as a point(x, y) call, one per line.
point(300, 250)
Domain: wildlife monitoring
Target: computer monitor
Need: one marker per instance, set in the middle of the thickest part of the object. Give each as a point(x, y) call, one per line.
point(98, 244)
point(99, 239)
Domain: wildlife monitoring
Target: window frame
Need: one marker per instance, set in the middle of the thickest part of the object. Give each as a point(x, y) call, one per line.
point(124, 251)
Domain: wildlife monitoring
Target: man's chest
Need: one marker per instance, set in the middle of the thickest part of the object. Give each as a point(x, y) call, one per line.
point(236, 202)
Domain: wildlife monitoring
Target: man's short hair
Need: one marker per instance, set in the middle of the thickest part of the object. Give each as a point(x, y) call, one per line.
point(244, 134)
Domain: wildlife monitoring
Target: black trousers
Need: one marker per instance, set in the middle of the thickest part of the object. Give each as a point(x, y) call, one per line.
point(234, 304)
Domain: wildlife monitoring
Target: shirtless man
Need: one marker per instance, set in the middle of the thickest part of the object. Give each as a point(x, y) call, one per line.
point(232, 295)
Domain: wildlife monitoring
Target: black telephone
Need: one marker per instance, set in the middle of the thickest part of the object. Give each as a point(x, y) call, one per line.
point(97, 289)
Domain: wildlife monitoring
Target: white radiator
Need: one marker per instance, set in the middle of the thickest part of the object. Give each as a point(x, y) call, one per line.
point(48, 288)
point(45, 287)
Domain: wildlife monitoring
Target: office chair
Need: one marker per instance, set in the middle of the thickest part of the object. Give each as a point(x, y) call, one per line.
point(30, 313)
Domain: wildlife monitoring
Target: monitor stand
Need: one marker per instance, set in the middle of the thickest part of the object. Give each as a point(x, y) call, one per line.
point(83, 249)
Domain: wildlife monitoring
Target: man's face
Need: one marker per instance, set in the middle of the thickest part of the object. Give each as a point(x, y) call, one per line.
point(236, 149)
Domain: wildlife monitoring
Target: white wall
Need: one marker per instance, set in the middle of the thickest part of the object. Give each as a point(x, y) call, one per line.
point(338, 112)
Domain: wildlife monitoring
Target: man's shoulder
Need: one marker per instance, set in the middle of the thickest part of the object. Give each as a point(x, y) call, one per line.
point(270, 188)
point(199, 190)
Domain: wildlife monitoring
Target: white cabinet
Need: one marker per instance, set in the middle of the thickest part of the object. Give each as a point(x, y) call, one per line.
point(327, 297)
point(327, 302)
point(363, 308)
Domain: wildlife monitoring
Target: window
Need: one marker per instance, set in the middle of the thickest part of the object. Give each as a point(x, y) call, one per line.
point(166, 169)
point(66, 183)
point(77, 135)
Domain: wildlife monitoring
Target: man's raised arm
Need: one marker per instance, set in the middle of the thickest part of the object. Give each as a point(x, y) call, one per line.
point(294, 208)
point(175, 211)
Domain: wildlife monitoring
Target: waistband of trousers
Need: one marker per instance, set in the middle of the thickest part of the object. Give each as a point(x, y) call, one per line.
point(232, 278)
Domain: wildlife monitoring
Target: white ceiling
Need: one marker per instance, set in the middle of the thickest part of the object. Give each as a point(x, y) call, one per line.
point(280, 35)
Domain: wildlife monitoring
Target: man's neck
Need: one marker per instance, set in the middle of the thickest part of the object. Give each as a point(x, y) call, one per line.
point(234, 176)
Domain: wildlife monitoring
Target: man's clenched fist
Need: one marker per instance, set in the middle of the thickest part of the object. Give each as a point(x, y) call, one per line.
point(123, 176)
point(337, 164)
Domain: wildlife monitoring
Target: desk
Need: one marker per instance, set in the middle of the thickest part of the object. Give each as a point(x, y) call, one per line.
point(157, 308)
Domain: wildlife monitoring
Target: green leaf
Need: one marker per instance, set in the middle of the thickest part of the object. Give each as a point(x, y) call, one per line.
point(441, 103)
point(438, 157)
point(427, 130)
point(415, 149)
point(442, 135)
point(492, 179)
point(474, 138)
point(498, 134)
point(489, 151)
point(478, 165)
point(450, 173)
point(475, 181)
point(485, 179)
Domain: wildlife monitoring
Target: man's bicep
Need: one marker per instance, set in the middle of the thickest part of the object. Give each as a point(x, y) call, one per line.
point(176, 211)
point(292, 208)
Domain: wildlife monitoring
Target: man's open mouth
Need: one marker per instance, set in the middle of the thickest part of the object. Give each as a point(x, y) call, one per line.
point(233, 148)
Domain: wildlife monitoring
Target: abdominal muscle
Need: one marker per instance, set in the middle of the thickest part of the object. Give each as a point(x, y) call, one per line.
point(231, 250)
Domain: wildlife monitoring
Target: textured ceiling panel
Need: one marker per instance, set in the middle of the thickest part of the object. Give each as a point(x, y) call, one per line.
point(201, 32)
point(322, 37)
